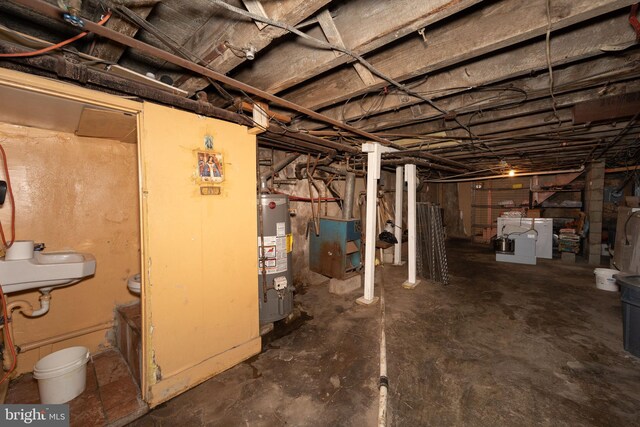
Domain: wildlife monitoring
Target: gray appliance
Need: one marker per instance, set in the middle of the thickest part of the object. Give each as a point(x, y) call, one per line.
point(275, 242)
point(524, 249)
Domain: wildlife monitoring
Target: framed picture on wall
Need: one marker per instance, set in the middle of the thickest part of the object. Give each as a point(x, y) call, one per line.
point(210, 166)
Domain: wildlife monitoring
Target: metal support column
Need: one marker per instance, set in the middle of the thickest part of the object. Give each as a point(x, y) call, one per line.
point(411, 179)
point(374, 151)
point(397, 253)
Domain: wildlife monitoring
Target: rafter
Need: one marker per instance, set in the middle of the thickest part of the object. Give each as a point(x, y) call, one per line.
point(365, 25)
point(499, 25)
point(501, 68)
point(532, 106)
point(111, 52)
point(208, 42)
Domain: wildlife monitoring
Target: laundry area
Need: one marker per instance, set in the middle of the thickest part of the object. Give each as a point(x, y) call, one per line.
point(311, 213)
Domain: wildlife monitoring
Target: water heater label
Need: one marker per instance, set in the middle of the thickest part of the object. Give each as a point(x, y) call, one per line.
point(280, 229)
point(275, 254)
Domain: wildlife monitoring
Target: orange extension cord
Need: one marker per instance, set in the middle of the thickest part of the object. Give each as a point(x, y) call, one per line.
point(7, 334)
point(52, 47)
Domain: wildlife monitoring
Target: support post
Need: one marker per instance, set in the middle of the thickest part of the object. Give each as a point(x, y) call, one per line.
point(397, 253)
point(374, 151)
point(410, 178)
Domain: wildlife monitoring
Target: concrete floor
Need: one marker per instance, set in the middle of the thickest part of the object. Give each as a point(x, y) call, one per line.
point(503, 344)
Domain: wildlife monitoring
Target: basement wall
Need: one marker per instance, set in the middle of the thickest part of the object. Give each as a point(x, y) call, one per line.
point(81, 194)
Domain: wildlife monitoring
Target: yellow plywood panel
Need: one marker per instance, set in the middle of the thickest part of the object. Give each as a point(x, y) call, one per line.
point(107, 124)
point(199, 251)
point(80, 194)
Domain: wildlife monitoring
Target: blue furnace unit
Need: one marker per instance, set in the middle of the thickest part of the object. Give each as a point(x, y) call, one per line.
point(336, 251)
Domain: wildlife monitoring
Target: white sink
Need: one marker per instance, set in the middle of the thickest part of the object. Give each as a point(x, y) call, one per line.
point(45, 271)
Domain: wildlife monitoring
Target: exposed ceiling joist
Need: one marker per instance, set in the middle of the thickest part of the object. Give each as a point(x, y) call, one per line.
point(208, 42)
point(526, 108)
point(610, 107)
point(499, 25)
point(521, 61)
point(106, 49)
point(364, 25)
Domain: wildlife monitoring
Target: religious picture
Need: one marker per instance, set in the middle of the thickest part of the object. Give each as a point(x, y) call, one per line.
point(210, 167)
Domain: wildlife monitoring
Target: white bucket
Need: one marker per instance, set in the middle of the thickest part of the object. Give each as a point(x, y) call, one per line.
point(605, 280)
point(62, 375)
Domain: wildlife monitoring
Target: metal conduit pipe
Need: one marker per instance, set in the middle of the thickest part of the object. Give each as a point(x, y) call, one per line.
point(58, 66)
point(429, 156)
point(349, 195)
point(340, 171)
point(292, 142)
point(56, 13)
point(277, 129)
point(421, 162)
point(274, 170)
point(482, 178)
point(320, 163)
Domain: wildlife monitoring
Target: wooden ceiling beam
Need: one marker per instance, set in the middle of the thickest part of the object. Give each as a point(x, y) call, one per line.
point(208, 42)
point(364, 25)
point(551, 147)
point(532, 106)
point(110, 51)
point(607, 108)
point(333, 36)
point(521, 61)
point(497, 26)
point(602, 132)
point(599, 72)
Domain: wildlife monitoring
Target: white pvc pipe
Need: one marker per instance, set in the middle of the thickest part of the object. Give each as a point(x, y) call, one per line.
point(397, 252)
point(482, 178)
point(373, 169)
point(374, 150)
point(382, 402)
point(383, 381)
point(44, 306)
point(410, 177)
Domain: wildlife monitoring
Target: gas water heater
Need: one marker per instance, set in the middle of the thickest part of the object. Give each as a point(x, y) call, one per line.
point(275, 243)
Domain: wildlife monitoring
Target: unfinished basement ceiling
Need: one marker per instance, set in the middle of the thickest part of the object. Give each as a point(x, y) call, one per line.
point(462, 86)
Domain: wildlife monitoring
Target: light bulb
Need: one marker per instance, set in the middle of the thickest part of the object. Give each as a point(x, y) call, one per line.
point(512, 173)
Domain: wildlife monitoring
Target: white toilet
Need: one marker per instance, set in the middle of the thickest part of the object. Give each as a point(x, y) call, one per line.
point(133, 283)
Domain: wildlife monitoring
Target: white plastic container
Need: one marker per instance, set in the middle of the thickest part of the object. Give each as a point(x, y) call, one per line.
point(21, 249)
point(62, 375)
point(605, 280)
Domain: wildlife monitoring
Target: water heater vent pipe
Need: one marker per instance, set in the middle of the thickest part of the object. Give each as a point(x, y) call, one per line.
point(274, 170)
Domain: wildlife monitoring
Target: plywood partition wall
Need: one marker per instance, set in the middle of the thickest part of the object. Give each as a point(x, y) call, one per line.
point(199, 250)
point(74, 193)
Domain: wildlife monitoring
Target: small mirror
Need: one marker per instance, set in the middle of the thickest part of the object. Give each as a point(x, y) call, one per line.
point(3, 191)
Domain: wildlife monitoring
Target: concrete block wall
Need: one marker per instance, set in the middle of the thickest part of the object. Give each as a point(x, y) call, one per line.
point(594, 203)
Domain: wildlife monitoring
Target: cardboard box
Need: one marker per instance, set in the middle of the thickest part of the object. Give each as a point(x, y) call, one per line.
point(533, 213)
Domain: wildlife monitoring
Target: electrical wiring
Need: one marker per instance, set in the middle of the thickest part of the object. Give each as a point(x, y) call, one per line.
point(328, 46)
point(54, 46)
point(234, 49)
point(127, 14)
